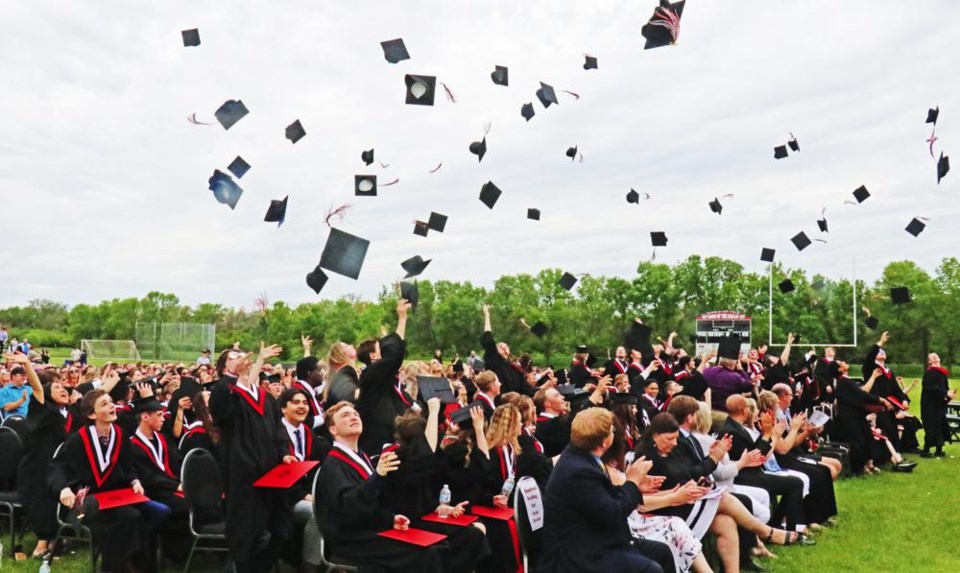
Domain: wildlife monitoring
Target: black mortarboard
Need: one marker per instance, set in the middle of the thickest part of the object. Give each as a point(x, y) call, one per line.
point(637, 337)
point(572, 152)
point(421, 228)
point(658, 238)
point(479, 148)
point(420, 89)
point(793, 143)
point(582, 349)
point(729, 347)
point(316, 279)
point(786, 286)
point(190, 37)
point(900, 295)
point(435, 387)
point(547, 95)
point(932, 115)
point(500, 76)
point(822, 223)
point(872, 322)
point(943, 167)
point(224, 188)
point(365, 185)
point(801, 241)
point(618, 398)
point(589, 63)
point(148, 404)
point(411, 292)
point(395, 51)
point(414, 266)
point(437, 222)
point(462, 417)
point(715, 206)
point(277, 211)
point(539, 329)
point(238, 167)
point(567, 281)
point(916, 227)
point(230, 112)
point(295, 131)
point(633, 197)
point(344, 253)
point(861, 194)
point(489, 194)
point(526, 110)
point(780, 151)
point(569, 391)
point(366, 156)
point(664, 26)
point(533, 214)
point(766, 255)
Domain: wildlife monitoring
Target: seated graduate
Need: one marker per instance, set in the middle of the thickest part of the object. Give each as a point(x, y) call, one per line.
point(201, 432)
point(585, 514)
point(531, 460)
point(498, 360)
point(350, 511)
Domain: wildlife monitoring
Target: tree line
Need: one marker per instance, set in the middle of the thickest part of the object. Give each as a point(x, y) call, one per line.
point(595, 312)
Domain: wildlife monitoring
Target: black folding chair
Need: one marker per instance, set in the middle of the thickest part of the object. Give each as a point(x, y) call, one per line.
point(530, 541)
point(73, 531)
point(203, 491)
point(19, 425)
point(11, 448)
point(333, 563)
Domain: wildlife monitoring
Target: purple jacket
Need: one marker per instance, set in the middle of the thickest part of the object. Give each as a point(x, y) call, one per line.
point(723, 383)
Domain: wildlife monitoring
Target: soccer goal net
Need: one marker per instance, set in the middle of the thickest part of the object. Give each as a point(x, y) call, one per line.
point(110, 349)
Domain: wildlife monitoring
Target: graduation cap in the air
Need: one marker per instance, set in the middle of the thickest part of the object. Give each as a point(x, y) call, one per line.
point(533, 214)
point(633, 197)
point(500, 76)
point(637, 337)
point(489, 194)
point(572, 152)
point(729, 347)
point(900, 295)
point(365, 185)
point(793, 143)
point(190, 37)
point(589, 63)
point(916, 227)
point(872, 322)
point(658, 238)
point(780, 151)
point(225, 190)
point(526, 111)
point(547, 95)
point(715, 206)
point(801, 241)
point(414, 266)
point(295, 131)
point(420, 89)
point(344, 253)
point(230, 113)
point(395, 51)
point(861, 194)
point(367, 156)
point(277, 211)
point(943, 167)
point(238, 167)
point(822, 223)
point(786, 286)
point(932, 115)
point(479, 148)
point(411, 292)
point(567, 281)
point(766, 255)
point(663, 28)
point(421, 228)
point(437, 222)
point(316, 279)
point(539, 329)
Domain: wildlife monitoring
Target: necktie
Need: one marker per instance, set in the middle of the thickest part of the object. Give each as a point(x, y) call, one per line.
point(299, 435)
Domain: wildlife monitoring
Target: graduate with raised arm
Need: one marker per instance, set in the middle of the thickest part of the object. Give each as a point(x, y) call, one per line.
point(497, 359)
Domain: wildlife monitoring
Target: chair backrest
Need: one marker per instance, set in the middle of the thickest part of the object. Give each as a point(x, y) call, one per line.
point(10, 451)
point(530, 541)
point(201, 480)
point(19, 425)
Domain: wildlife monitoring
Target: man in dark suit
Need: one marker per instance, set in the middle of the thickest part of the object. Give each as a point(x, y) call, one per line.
point(585, 515)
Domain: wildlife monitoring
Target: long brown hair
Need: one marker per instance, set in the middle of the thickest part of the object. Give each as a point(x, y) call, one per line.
point(202, 412)
point(503, 427)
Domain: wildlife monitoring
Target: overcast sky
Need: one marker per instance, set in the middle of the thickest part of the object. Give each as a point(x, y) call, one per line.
point(103, 181)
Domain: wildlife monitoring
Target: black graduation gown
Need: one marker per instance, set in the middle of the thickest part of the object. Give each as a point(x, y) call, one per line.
point(160, 482)
point(351, 515)
point(692, 383)
point(886, 386)
point(503, 536)
point(933, 407)
point(821, 503)
point(297, 492)
point(198, 437)
point(850, 423)
point(678, 468)
point(343, 386)
point(532, 461)
point(553, 433)
point(381, 400)
point(580, 375)
point(47, 428)
point(510, 376)
point(614, 368)
point(252, 442)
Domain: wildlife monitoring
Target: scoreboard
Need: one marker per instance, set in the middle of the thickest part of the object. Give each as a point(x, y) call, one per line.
point(712, 326)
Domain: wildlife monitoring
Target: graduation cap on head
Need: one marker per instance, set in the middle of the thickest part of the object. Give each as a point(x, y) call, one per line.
point(420, 89)
point(230, 113)
point(411, 292)
point(190, 37)
point(489, 194)
point(822, 223)
point(943, 167)
point(295, 131)
point(861, 194)
point(238, 167)
point(658, 238)
point(801, 241)
point(793, 143)
point(780, 151)
point(533, 214)
point(277, 211)
point(539, 329)
point(567, 281)
point(225, 190)
point(435, 387)
point(900, 295)
point(479, 148)
point(526, 111)
point(582, 349)
point(572, 152)
point(932, 115)
point(547, 95)
point(344, 253)
point(437, 222)
point(589, 63)
point(500, 76)
point(316, 279)
point(414, 266)
point(622, 399)
point(421, 228)
point(715, 206)
point(729, 347)
point(395, 51)
point(663, 28)
point(916, 227)
point(148, 404)
point(766, 255)
point(786, 286)
point(365, 185)
point(367, 156)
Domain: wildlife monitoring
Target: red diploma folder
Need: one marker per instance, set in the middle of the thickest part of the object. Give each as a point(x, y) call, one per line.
point(413, 536)
point(463, 520)
point(118, 498)
point(501, 513)
point(285, 475)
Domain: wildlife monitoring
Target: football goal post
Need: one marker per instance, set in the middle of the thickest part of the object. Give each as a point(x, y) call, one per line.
point(110, 349)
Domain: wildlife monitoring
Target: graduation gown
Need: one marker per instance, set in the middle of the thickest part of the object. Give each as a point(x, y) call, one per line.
point(850, 423)
point(933, 407)
point(580, 375)
point(615, 367)
point(692, 383)
point(512, 379)
point(157, 463)
point(198, 437)
point(343, 386)
point(553, 433)
point(381, 398)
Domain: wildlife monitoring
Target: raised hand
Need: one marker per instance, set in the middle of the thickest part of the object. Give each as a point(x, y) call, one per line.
point(387, 463)
point(268, 352)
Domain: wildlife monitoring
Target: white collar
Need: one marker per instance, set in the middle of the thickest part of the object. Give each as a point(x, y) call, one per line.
point(155, 452)
point(362, 460)
point(103, 457)
point(292, 432)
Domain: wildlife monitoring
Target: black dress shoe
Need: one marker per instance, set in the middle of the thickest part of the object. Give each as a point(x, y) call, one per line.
point(905, 467)
point(941, 454)
point(749, 564)
point(926, 455)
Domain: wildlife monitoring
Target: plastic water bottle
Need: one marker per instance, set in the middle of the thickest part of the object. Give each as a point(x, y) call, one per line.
point(45, 566)
point(507, 487)
point(444, 499)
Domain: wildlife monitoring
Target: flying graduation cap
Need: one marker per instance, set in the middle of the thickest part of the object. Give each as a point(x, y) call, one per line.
point(547, 95)
point(526, 111)
point(230, 113)
point(365, 185)
point(238, 167)
point(225, 190)
point(533, 214)
point(479, 148)
point(420, 89)
point(663, 28)
point(411, 292)
point(658, 238)
point(295, 131)
point(916, 226)
point(489, 194)
point(316, 279)
point(861, 194)
point(780, 152)
point(871, 320)
point(589, 63)
point(786, 286)
point(539, 329)
point(437, 222)
point(277, 211)
point(793, 144)
point(395, 51)
point(500, 76)
point(571, 152)
point(715, 206)
point(344, 253)
point(190, 37)
point(567, 281)
point(414, 266)
point(801, 241)
point(366, 156)
point(943, 167)
point(421, 228)
point(900, 295)
point(767, 255)
point(932, 115)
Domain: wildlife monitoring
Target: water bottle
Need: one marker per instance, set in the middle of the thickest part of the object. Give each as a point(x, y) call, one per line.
point(444, 499)
point(45, 566)
point(507, 488)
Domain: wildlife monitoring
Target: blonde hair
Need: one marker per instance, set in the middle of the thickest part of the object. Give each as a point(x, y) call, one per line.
point(337, 360)
point(703, 420)
point(505, 427)
point(768, 401)
point(332, 411)
point(484, 380)
point(522, 403)
point(590, 428)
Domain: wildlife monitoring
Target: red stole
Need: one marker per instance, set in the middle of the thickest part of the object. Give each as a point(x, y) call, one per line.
point(101, 478)
point(136, 440)
point(257, 404)
point(361, 469)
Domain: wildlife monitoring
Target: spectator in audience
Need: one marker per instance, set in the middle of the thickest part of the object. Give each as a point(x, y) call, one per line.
point(15, 395)
point(726, 379)
point(204, 357)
